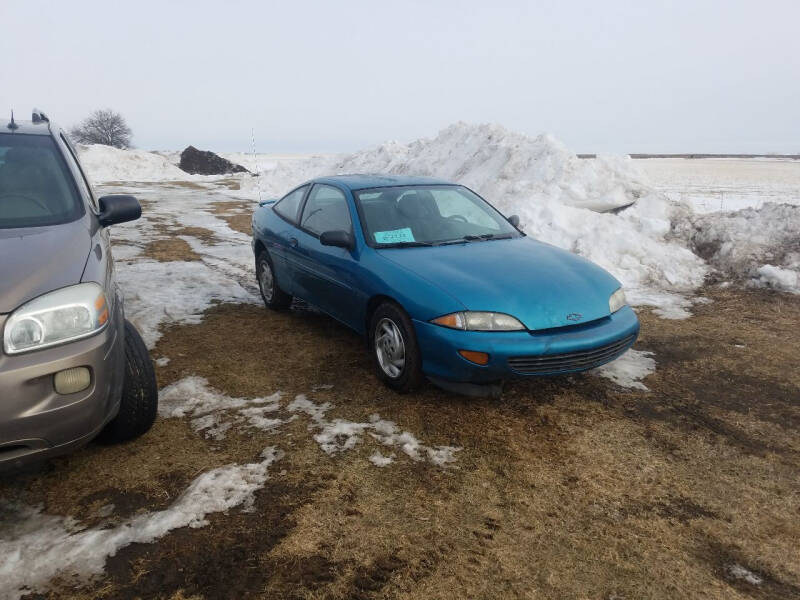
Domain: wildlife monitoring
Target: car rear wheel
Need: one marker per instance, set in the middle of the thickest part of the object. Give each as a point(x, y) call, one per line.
point(274, 297)
point(139, 402)
point(395, 352)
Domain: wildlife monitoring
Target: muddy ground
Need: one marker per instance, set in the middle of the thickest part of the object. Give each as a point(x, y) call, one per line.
point(567, 487)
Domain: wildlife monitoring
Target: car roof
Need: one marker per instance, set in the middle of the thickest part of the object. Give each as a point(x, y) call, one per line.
point(26, 127)
point(360, 182)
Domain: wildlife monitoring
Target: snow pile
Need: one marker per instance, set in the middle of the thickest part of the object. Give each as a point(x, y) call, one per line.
point(339, 435)
point(757, 246)
point(45, 546)
point(509, 168)
point(552, 191)
point(629, 369)
point(106, 163)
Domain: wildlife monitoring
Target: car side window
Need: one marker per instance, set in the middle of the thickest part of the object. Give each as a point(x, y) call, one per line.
point(289, 206)
point(326, 210)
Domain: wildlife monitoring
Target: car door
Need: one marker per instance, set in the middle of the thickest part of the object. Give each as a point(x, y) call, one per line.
point(327, 275)
point(283, 239)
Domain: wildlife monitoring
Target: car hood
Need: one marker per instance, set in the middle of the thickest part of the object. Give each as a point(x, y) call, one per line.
point(541, 285)
point(36, 260)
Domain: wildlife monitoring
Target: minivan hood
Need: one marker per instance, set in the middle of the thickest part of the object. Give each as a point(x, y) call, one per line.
point(37, 260)
point(541, 285)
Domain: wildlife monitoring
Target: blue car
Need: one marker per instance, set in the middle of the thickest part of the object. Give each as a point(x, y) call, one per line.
point(438, 281)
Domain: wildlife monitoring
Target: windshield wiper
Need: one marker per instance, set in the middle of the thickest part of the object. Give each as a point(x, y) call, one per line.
point(477, 238)
point(404, 245)
point(496, 236)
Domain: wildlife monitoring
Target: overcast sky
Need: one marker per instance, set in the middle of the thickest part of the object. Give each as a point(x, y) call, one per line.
point(603, 76)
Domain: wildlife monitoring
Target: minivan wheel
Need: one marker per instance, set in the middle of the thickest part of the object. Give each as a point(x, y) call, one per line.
point(274, 297)
point(395, 353)
point(139, 402)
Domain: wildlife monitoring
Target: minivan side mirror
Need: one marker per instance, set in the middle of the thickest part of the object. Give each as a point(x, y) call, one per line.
point(514, 220)
point(342, 239)
point(118, 208)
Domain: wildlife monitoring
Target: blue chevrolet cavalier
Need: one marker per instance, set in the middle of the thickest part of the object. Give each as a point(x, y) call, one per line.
point(438, 281)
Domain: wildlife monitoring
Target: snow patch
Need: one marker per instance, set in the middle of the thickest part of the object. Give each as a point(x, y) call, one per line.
point(339, 435)
point(214, 413)
point(379, 460)
point(173, 292)
point(44, 546)
point(629, 369)
point(740, 572)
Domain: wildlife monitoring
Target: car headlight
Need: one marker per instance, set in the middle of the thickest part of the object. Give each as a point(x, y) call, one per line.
point(61, 316)
point(479, 321)
point(616, 301)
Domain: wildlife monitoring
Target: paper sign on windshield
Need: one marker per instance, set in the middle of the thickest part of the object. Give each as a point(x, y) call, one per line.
point(394, 236)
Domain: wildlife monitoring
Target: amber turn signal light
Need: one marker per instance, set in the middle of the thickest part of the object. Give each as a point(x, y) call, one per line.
point(479, 358)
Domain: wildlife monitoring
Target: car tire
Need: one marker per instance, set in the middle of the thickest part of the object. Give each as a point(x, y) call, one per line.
point(394, 348)
point(274, 297)
point(139, 402)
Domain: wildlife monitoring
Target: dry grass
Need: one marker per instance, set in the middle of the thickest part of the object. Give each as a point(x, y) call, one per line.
point(169, 249)
point(567, 487)
point(237, 215)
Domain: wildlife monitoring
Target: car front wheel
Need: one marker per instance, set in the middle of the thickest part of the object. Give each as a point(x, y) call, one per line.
point(395, 352)
point(139, 402)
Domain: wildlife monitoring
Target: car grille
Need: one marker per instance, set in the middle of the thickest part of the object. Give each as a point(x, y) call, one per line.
point(571, 361)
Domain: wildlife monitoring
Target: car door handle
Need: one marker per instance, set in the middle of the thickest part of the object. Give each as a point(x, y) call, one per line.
point(293, 242)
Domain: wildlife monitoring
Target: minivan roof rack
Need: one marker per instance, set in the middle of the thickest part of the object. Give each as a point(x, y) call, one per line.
point(39, 116)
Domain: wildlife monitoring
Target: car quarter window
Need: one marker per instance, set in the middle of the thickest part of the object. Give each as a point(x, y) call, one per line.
point(289, 205)
point(326, 210)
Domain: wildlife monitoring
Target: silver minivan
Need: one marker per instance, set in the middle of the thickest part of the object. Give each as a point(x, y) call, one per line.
point(71, 367)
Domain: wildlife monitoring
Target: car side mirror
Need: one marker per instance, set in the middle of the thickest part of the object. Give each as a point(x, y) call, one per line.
point(118, 208)
point(342, 239)
point(514, 220)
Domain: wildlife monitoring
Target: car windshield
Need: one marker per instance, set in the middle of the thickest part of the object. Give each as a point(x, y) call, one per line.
point(35, 185)
point(422, 215)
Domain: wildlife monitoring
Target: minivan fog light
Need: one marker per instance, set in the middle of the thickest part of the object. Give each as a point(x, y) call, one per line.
point(71, 381)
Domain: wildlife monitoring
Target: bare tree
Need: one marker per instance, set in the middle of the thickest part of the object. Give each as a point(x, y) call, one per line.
point(102, 127)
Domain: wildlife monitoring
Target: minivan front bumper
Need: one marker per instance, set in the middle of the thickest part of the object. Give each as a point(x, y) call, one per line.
point(36, 422)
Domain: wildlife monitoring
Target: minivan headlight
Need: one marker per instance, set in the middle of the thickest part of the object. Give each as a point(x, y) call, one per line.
point(57, 317)
point(479, 321)
point(616, 301)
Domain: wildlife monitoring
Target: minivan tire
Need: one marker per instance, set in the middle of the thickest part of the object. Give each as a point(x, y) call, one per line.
point(410, 377)
point(274, 297)
point(139, 402)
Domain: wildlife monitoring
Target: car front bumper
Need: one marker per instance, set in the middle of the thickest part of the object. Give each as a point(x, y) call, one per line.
point(516, 354)
point(36, 422)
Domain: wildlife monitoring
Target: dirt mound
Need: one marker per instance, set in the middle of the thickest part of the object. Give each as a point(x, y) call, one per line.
point(203, 162)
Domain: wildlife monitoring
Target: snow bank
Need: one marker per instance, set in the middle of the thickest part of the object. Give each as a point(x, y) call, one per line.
point(106, 163)
point(508, 168)
point(760, 246)
point(48, 546)
point(556, 195)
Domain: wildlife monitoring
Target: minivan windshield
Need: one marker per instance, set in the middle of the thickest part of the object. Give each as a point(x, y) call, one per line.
point(427, 215)
point(36, 187)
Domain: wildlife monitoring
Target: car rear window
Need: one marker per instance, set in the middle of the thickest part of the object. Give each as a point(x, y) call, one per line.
point(36, 187)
